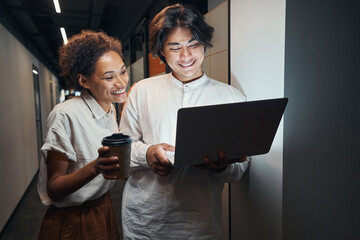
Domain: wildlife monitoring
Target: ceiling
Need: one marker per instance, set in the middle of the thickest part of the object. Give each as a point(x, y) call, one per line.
point(40, 22)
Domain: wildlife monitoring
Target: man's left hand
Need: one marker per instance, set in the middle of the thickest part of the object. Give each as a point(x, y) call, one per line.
point(219, 166)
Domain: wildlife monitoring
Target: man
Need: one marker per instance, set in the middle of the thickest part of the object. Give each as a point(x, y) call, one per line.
point(159, 201)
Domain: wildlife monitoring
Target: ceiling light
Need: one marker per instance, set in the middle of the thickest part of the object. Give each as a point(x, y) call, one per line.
point(35, 72)
point(63, 34)
point(57, 6)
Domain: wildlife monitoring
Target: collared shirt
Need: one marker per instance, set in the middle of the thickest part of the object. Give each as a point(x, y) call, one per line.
point(76, 128)
point(187, 203)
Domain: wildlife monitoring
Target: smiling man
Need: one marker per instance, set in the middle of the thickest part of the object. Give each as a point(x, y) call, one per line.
point(159, 201)
point(184, 54)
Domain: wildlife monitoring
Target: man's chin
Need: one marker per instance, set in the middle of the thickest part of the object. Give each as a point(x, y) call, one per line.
point(187, 76)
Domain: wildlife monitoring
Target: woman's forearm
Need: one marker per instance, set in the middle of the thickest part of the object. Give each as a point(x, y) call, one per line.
point(64, 185)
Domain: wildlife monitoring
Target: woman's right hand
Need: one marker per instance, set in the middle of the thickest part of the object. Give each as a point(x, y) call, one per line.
point(105, 165)
point(61, 184)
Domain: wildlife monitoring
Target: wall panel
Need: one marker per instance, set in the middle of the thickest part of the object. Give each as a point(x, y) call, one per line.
point(18, 143)
point(257, 69)
point(322, 122)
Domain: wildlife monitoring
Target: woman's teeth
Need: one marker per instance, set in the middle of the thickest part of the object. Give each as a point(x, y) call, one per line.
point(119, 92)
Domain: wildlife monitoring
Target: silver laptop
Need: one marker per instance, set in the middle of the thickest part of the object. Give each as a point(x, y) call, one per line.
point(238, 129)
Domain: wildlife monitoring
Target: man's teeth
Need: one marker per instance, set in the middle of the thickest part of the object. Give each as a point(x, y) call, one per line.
point(186, 65)
point(119, 92)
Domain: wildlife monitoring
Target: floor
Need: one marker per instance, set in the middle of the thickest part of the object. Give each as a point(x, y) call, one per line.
point(26, 220)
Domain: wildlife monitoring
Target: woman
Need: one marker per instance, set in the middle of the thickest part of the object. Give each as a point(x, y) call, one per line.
point(75, 177)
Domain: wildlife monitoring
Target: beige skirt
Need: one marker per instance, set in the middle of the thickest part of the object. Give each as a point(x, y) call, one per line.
point(92, 220)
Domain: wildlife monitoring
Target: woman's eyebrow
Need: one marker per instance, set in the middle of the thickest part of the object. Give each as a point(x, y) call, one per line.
point(123, 66)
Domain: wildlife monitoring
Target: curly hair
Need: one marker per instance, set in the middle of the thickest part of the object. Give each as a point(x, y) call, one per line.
point(174, 16)
point(80, 54)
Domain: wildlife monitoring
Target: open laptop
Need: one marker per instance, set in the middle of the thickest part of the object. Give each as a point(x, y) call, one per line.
point(238, 129)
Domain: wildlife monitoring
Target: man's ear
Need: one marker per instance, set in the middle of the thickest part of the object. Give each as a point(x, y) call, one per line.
point(83, 81)
point(160, 52)
point(162, 57)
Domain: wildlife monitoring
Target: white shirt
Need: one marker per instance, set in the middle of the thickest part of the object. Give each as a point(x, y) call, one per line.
point(76, 128)
point(187, 203)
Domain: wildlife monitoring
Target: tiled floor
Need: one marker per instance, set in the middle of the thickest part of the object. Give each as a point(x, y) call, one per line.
point(25, 222)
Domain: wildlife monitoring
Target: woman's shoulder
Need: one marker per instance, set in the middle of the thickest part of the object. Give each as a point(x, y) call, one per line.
point(67, 108)
point(65, 114)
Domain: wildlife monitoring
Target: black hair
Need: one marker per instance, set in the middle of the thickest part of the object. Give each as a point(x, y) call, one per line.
point(174, 16)
point(80, 54)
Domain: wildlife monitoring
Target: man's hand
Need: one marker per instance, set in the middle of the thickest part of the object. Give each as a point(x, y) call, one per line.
point(157, 160)
point(217, 167)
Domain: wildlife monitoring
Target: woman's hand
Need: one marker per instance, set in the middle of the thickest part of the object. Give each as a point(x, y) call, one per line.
point(106, 164)
point(61, 184)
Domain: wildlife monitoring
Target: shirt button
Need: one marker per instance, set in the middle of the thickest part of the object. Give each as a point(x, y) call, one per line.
point(108, 122)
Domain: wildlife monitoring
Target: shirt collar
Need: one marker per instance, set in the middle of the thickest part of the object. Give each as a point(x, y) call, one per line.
point(191, 85)
point(93, 105)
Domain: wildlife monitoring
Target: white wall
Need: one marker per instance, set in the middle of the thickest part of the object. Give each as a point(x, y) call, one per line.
point(137, 70)
point(18, 143)
point(214, 3)
point(47, 80)
point(257, 69)
point(215, 65)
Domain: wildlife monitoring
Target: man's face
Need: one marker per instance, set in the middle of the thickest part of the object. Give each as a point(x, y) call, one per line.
point(183, 54)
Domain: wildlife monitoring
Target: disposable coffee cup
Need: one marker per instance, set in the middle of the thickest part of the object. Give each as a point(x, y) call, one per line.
point(120, 146)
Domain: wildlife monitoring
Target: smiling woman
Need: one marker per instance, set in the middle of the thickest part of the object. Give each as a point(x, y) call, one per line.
point(90, 61)
point(108, 82)
point(75, 177)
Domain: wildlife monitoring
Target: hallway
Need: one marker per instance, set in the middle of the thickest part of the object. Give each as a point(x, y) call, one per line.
point(26, 220)
point(306, 187)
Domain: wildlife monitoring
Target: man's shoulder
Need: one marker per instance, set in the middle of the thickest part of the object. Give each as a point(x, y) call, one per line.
point(153, 80)
point(226, 90)
point(148, 83)
point(219, 84)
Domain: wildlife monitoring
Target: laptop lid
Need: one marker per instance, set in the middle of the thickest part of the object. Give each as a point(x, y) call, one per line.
point(238, 129)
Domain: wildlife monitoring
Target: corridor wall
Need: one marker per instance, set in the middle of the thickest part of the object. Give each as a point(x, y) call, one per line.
point(321, 197)
point(215, 65)
point(257, 38)
point(307, 187)
point(19, 158)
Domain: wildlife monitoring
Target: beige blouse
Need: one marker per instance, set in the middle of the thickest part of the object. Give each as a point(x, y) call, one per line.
point(76, 128)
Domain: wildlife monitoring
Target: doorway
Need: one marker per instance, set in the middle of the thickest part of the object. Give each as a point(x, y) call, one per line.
point(37, 109)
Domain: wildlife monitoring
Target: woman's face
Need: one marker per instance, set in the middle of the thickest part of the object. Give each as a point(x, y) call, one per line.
point(108, 82)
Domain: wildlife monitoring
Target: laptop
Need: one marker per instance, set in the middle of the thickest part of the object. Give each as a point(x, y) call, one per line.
point(238, 129)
